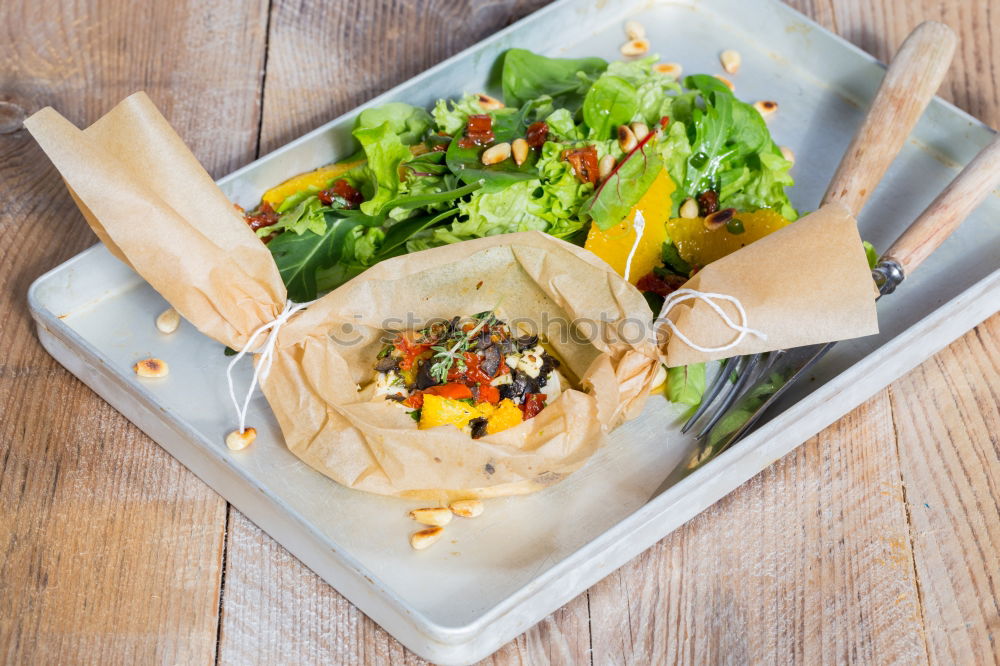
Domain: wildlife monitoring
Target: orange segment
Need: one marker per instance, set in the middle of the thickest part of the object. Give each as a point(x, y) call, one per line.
point(699, 246)
point(614, 244)
point(321, 178)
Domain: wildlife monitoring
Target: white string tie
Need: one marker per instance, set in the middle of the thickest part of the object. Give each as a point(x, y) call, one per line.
point(682, 295)
point(639, 225)
point(263, 366)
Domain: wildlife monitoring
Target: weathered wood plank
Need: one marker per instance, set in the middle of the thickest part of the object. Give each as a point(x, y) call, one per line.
point(947, 415)
point(808, 562)
point(111, 550)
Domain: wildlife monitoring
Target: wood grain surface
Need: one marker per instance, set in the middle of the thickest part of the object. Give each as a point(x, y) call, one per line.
point(877, 541)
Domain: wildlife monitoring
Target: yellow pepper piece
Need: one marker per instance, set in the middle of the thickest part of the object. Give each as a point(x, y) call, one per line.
point(613, 245)
point(321, 178)
point(699, 246)
point(438, 411)
point(507, 415)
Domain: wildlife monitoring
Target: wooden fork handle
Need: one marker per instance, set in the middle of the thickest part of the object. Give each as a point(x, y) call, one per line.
point(909, 85)
point(979, 177)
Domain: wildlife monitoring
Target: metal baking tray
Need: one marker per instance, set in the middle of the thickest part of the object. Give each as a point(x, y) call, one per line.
point(494, 577)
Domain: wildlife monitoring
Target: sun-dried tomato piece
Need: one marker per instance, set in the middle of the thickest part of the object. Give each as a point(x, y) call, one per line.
point(661, 286)
point(584, 163)
point(538, 134)
point(264, 216)
point(343, 190)
point(478, 131)
point(709, 202)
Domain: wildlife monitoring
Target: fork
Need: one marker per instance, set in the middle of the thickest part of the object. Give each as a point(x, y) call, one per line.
point(909, 85)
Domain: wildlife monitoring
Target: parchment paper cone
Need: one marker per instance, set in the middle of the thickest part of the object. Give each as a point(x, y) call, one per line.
point(147, 197)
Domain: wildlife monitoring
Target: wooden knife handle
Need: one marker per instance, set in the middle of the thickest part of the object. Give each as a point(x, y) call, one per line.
point(979, 177)
point(909, 85)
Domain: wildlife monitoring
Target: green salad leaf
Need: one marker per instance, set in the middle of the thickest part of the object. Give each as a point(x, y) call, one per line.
point(527, 75)
point(613, 199)
point(300, 256)
point(409, 123)
point(686, 384)
point(451, 116)
point(610, 102)
point(467, 163)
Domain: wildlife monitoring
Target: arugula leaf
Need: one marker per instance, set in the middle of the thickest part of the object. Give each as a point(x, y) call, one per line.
point(411, 201)
point(619, 192)
point(300, 256)
point(686, 384)
point(731, 150)
point(399, 233)
point(610, 102)
point(527, 75)
point(467, 163)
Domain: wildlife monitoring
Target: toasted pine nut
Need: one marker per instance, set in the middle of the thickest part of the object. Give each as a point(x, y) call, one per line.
point(635, 47)
point(605, 166)
point(488, 103)
point(152, 368)
point(425, 538)
point(237, 441)
point(469, 508)
point(689, 209)
point(168, 321)
point(496, 154)
point(731, 61)
point(626, 138)
point(641, 130)
point(787, 153)
point(520, 150)
point(436, 516)
point(635, 30)
point(719, 218)
point(766, 108)
point(729, 84)
point(668, 69)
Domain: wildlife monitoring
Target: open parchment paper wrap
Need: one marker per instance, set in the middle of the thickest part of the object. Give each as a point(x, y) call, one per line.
point(806, 283)
point(156, 208)
point(148, 198)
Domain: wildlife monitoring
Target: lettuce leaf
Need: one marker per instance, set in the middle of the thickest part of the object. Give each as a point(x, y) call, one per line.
point(385, 151)
point(409, 123)
point(450, 116)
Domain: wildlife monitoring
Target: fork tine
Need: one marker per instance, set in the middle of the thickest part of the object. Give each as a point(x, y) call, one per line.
point(741, 382)
point(718, 383)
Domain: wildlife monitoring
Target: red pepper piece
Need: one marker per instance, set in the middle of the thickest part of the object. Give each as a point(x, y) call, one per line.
point(488, 393)
point(410, 350)
point(454, 390)
point(533, 403)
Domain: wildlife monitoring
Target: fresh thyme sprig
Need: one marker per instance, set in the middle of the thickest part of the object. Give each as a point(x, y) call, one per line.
point(446, 357)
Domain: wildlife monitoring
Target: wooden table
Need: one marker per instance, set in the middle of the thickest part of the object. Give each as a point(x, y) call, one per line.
point(878, 540)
